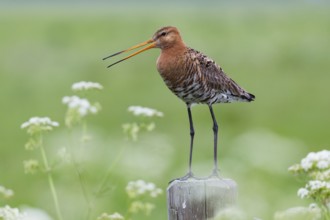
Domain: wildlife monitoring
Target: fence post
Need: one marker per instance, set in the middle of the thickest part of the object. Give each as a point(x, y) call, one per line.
point(199, 199)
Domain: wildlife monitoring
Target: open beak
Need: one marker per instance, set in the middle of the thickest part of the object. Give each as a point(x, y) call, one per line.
point(152, 44)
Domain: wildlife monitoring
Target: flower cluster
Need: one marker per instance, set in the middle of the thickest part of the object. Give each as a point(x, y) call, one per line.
point(318, 160)
point(139, 190)
point(31, 166)
point(132, 129)
point(85, 86)
point(140, 187)
point(314, 188)
point(139, 206)
point(78, 108)
point(114, 216)
point(316, 165)
point(144, 111)
point(36, 125)
point(35, 214)
point(82, 106)
point(315, 169)
point(6, 193)
point(8, 213)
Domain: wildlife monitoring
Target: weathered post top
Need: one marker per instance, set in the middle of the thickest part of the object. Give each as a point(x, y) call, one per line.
point(199, 199)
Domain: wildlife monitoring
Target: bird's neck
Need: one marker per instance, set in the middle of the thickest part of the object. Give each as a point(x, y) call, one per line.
point(170, 61)
point(177, 48)
point(169, 57)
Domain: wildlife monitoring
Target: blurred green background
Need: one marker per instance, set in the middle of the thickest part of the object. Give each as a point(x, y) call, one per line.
point(278, 51)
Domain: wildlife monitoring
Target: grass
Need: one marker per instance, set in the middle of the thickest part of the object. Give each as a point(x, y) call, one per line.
point(281, 54)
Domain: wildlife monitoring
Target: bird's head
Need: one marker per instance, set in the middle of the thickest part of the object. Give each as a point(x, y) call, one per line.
point(164, 38)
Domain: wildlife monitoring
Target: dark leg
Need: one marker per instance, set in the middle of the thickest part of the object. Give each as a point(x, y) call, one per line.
point(192, 134)
point(215, 132)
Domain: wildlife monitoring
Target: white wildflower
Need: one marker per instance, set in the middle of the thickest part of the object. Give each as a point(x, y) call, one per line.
point(316, 184)
point(6, 193)
point(320, 160)
point(8, 213)
point(306, 164)
point(303, 193)
point(326, 175)
point(84, 86)
point(31, 166)
point(38, 124)
point(321, 174)
point(149, 186)
point(324, 155)
point(138, 206)
point(140, 187)
point(81, 105)
point(294, 168)
point(322, 164)
point(144, 111)
point(114, 216)
point(312, 156)
point(156, 192)
point(35, 214)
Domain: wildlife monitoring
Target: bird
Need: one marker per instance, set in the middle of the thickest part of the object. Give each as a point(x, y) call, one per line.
point(193, 77)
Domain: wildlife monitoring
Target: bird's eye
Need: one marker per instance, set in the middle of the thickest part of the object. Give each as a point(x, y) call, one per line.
point(163, 34)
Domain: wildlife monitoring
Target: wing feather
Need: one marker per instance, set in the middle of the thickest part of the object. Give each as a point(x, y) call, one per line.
point(215, 78)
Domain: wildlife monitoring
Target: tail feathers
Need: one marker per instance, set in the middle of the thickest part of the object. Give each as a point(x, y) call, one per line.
point(248, 97)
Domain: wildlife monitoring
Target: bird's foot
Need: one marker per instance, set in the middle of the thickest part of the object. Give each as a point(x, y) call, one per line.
point(189, 175)
point(215, 173)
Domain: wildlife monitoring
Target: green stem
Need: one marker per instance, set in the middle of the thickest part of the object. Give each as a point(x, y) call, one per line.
point(80, 174)
point(83, 188)
point(325, 212)
point(50, 180)
point(103, 184)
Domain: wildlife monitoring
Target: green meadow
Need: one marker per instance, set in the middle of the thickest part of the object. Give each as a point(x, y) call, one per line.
point(279, 52)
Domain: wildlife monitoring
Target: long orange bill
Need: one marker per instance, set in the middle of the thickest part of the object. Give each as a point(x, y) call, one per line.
point(151, 43)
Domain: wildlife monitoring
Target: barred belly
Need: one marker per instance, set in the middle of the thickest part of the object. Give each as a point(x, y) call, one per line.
point(195, 93)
